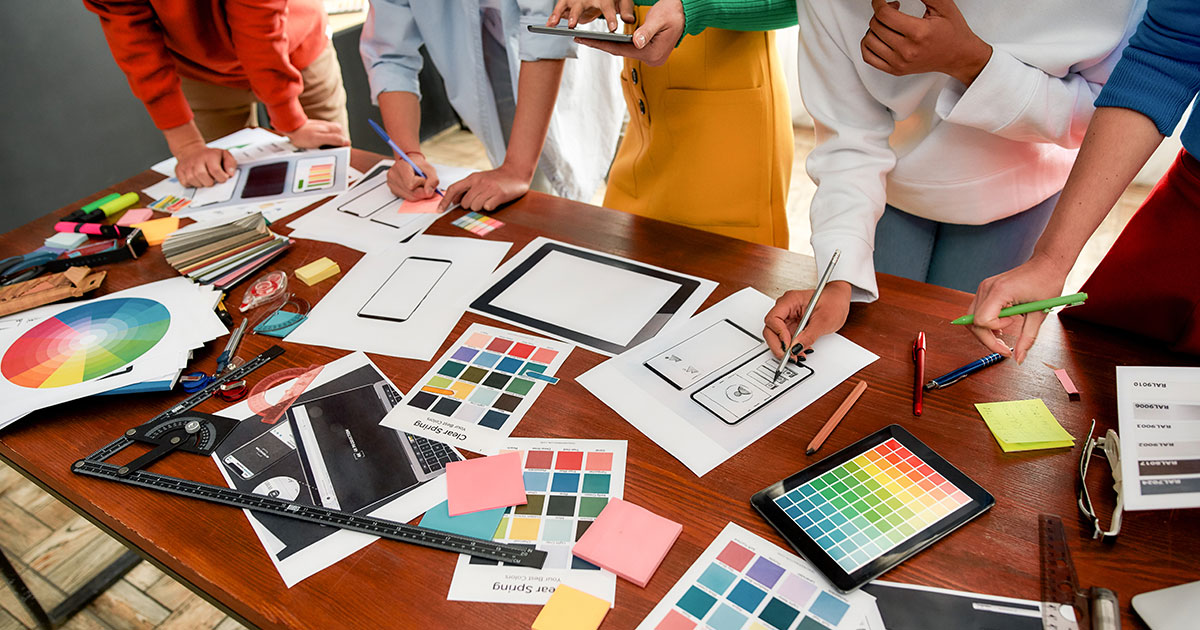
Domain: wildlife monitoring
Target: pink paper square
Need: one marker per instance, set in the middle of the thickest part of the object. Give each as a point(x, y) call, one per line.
point(135, 215)
point(414, 206)
point(628, 540)
point(485, 483)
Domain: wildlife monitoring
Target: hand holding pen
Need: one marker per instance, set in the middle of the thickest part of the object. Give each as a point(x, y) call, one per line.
point(412, 179)
point(799, 318)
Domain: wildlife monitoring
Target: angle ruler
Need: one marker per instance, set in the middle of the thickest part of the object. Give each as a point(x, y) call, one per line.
point(179, 428)
point(1066, 606)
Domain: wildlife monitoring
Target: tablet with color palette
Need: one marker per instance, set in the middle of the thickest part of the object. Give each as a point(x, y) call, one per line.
point(476, 393)
point(871, 505)
point(742, 582)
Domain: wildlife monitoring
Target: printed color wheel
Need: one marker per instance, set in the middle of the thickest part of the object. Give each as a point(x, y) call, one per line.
point(85, 342)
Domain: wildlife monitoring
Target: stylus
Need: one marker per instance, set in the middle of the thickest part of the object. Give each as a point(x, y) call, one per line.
point(808, 311)
point(404, 156)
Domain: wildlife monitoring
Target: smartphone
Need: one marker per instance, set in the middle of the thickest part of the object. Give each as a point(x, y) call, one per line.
point(255, 456)
point(400, 295)
point(745, 389)
point(603, 36)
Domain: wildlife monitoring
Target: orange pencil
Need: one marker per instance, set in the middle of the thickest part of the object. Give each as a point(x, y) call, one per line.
point(837, 416)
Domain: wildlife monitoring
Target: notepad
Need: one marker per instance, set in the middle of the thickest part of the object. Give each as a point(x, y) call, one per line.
point(1024, 425)
point(157, 230)
point(480, 524)
point(571, 609)
point(317, 270)
point(485, 483)
point(628, 540)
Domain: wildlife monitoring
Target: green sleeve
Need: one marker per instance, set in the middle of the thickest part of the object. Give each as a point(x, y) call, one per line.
point(735, 15)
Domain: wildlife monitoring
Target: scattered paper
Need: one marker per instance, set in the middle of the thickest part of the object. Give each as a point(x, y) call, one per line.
point(484, 483)
point(567, 484)
point(628, 540)
point(741, 577)
point(481, 524)
point(477, 392)
point(337, 321)
point(1024, 425)
point(1158, 409)
point(245, 144)
point(661, 405)
point(571, 609)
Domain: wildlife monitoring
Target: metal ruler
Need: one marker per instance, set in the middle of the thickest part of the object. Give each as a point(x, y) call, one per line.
point(1065, 606)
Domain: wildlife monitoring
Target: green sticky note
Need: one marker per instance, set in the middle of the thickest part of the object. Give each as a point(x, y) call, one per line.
point(1024, 425)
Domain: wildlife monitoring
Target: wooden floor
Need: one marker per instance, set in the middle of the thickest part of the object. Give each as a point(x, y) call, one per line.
point(55, 550)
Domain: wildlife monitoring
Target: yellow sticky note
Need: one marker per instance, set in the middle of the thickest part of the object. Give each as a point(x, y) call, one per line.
point(157, 230)
point(1024, 425)
point(571, 609)
point(317, 271)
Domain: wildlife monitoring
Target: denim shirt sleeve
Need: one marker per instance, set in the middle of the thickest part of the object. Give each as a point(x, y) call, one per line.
point(534, 46)
point(390, 48)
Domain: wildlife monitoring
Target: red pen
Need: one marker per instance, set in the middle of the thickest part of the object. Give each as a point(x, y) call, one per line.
point(918, 372)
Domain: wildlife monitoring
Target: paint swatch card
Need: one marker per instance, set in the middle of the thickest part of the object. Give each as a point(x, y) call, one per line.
point(476, 393)
point(699, 356)
point(477, 223)
point(314, 174)
point(744, 582)
point(567, 484)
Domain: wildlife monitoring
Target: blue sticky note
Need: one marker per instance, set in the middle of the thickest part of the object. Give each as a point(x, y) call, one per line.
point(480, 524)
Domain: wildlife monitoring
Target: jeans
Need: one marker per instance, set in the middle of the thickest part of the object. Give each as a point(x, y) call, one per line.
point(952, 255)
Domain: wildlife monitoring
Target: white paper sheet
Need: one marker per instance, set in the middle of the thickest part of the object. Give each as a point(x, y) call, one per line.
point(548, 526)
point(670, 417)
point(1158, 410)
point(246, 144)
point(589, 298)
point(474, 395)
point(339, 545)
point(329, 224)
point(773, 585)
point(334, 322)
point(191, 324)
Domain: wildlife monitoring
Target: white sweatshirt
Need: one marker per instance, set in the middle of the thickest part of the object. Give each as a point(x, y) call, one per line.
point(934, 148)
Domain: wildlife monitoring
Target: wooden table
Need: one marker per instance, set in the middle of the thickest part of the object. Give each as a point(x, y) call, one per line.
point(213, 550)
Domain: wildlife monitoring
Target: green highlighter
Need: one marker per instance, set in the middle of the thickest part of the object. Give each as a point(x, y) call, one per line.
point(1040, 305)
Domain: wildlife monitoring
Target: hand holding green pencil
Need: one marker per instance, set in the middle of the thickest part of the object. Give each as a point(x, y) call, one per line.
point(1030, 307)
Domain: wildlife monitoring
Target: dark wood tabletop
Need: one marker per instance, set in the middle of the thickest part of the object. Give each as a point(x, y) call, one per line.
point(212, 548)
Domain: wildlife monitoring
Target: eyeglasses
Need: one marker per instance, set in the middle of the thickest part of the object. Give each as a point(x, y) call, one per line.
point(1110, 449)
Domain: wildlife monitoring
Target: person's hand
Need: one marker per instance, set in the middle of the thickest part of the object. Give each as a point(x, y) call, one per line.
point(828, 317)
point(654, 40)
point(939, 41)
point(317, 133)
point(1038, 279)
point(486, 190)
point(201, 166)
point(578, 12)
point(406, 184)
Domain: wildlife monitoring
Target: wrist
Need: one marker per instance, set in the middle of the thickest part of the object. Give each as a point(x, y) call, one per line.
point(183, 138)
point(973, 63)
point(518, 169)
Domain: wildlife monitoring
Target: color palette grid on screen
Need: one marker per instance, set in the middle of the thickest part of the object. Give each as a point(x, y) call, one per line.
point(484, 380)
point(477, 223)
point(872, 503)
point(565, 492)
point(742, 582)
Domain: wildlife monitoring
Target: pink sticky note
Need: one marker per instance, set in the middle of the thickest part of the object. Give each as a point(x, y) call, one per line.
point(628, 540)
point(420, 206)
point(135, 215)
point(485, 483)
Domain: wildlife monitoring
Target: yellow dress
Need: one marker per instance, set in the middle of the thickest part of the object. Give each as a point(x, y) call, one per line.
point(709, 142)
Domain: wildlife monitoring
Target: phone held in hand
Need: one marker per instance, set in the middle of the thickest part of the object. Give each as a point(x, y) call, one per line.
point(603, 36)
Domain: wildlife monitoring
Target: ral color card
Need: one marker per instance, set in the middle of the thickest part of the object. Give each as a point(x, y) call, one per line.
point(568, 484)
point(742, 581)
point(314, 174)
point(628, 540)
point(484, 483)
point(477, 223)
point(477, 392)
point(571, 609)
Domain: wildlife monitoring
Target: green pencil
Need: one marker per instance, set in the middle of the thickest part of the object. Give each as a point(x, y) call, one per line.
point(1040, 305)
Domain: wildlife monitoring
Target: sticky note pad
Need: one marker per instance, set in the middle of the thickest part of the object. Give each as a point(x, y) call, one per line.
point(480, 524)
point(66, 240)
point(1024, 425)
point(628, 540)
point(485, 483)
point(571, 609)
point(158, 230)
point(317, 271)
point(422, 206)
point(134, 216)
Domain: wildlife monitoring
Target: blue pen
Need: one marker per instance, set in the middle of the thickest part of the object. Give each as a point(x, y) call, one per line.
point(386, 138)
point(952, 377)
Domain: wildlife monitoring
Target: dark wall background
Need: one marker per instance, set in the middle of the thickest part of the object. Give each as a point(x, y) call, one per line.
point(72, 127)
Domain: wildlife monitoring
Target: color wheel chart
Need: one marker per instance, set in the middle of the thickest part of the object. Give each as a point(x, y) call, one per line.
point(742, 582)
point(567, 484)
point(86, 342)
point(872, 503)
